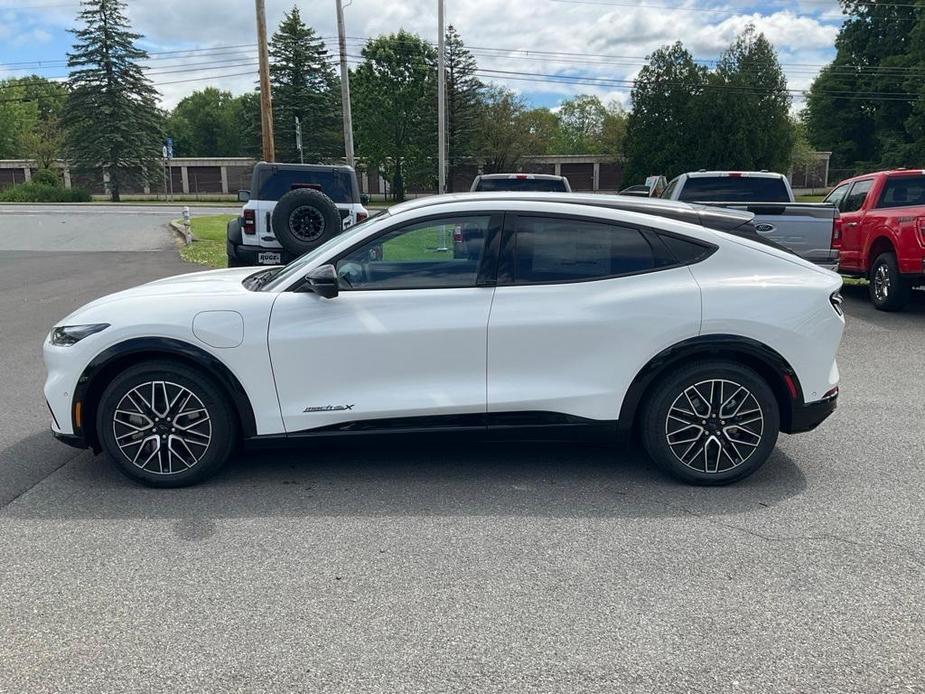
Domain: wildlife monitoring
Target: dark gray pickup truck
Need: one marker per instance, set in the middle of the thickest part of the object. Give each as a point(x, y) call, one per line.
point(805, 228)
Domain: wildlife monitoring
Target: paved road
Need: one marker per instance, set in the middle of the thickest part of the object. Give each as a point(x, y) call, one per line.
point(437, 568)
point(91, 227)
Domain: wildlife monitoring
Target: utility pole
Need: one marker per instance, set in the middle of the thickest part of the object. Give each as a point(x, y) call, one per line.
point(441, 99)
point(345, 85)
point(266, 100)
point(298, 139)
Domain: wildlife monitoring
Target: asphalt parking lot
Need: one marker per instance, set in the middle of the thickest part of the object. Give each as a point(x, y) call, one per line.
point(473, 566)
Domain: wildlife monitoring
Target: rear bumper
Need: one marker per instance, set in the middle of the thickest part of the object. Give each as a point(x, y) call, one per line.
point(808, 416)
point(250, 255)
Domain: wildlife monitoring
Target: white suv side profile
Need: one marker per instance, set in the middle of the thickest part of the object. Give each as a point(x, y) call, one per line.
point(562, 318)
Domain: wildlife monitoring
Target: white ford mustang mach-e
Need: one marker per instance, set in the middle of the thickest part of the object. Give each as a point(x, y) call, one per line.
point(532, 316)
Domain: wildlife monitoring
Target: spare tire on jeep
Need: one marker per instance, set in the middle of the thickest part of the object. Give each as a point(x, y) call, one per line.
point(304, 219)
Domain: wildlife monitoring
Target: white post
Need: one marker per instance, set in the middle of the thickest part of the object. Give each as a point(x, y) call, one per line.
point(345, 86)
point(441, 99)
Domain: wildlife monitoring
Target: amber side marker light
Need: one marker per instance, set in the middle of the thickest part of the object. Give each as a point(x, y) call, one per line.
point(78, 410)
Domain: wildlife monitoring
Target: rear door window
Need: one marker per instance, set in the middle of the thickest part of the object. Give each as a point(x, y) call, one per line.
point(560, 249)
point(853, 201)
point(903, 191)
point(735, 189)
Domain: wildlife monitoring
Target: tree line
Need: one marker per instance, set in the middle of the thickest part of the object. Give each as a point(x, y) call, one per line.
point(685, 115)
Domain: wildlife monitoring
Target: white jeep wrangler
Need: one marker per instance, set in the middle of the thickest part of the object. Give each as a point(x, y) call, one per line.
point(292, 209)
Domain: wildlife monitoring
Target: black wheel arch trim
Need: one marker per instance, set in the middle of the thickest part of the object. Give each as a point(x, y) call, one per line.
point(768, 362)
point(90, 386)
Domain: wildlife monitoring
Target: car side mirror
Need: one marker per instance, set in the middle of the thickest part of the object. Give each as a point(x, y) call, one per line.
point(244, 195)
point(323, 281)
point(364, 199)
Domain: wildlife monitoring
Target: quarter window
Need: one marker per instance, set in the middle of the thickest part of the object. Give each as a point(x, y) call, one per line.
point(433, 254)
point(552, 249)
point(855, 199)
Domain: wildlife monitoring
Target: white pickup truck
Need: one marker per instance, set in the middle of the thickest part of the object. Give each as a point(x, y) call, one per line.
point(805, 228)
point(291, 209)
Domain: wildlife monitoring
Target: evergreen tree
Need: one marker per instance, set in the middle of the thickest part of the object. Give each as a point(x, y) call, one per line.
point(662, 128)
point(304, 86)
point(111, 118)
point(462, 102)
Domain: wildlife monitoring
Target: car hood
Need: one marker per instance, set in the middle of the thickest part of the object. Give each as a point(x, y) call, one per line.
point(210, 282)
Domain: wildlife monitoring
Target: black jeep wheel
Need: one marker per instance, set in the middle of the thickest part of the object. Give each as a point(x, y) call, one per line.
point(303, 219)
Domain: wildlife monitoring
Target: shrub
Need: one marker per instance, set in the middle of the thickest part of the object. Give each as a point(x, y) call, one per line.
point(47, 177)
point(41, 192)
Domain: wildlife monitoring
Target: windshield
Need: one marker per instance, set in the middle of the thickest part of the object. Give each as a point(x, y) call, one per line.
point(289, 274)
point(537, 185)
point(735, 189)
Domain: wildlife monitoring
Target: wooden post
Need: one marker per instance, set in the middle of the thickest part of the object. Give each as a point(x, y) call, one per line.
point(266, 100)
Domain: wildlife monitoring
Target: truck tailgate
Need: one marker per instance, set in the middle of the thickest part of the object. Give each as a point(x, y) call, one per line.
point(803, 227)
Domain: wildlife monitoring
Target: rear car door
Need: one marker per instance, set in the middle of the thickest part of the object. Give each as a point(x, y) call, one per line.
point(851, 256)
point(581, 305)
point(405, 338)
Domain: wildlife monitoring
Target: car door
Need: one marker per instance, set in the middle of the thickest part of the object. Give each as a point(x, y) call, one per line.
point(581, 306)
point(852, 217)
point(405, 337)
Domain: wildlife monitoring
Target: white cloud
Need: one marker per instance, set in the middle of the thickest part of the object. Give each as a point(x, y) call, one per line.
point(625, 33)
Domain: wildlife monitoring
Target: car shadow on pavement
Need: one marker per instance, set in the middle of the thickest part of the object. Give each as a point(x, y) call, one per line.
point(857, 303)
point(385, 478)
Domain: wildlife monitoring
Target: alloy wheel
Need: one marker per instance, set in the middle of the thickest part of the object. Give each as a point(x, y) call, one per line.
point(162, 427)
point(714, 426)
point(882, 282)
point(307, 223)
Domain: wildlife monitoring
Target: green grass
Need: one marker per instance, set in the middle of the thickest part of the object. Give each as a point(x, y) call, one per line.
point(208, 247)
point(421, 244)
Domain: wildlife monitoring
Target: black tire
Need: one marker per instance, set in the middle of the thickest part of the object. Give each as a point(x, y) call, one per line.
point(208, 441)
point(303, 219)
point(888, 290)
point(723, 449)
point(233, 241)
point(233, 260)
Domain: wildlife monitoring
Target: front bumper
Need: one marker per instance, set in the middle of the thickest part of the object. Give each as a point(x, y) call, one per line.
point(807, 416)
point(72, 440)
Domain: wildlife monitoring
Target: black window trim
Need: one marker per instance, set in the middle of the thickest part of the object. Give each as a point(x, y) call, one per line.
point(488, 264)
point(505, 274)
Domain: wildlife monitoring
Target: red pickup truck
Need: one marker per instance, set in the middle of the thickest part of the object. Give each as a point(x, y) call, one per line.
point(880, 233)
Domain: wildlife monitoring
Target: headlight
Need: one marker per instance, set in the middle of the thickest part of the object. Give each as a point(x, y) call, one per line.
point(68, 335)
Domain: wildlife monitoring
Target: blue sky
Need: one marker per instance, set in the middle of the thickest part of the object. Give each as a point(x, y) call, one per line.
point(520, 43)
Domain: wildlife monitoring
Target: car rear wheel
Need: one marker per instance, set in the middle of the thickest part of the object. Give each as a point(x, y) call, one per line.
point(165, 424)
point(711, 423)
point(888, 290)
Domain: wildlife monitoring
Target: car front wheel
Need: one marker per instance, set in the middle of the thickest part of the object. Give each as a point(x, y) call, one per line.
point(165, 424)
point(711, 423)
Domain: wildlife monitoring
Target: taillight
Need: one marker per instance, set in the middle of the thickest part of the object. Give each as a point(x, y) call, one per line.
point(362, 217)
point(457, 234)
point(836, 300)
point(836, 232)
point(250, 222)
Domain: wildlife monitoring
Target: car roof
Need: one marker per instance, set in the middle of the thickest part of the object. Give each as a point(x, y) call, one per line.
point(522, 175)
point(302, 167)
point(712, 217)
point(886, 172)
